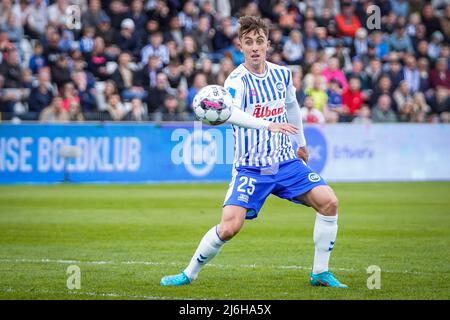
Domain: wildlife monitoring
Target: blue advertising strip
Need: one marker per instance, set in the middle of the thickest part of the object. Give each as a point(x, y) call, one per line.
point(110, 152)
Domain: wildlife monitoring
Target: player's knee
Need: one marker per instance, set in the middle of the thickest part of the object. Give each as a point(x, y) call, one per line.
point(330, 207)
point(229, 230)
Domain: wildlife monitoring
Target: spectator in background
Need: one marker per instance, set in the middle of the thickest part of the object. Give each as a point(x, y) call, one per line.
point(423, 67)
point(105, 31)
point(169, 110)
point(137, 112)
point(97, 60)
point(37, 19)
point(103, 96)
point(87, 41)
point(188, 16)
point(199, 82)
point(189, 49)
point(374, 71)
point(363, 115)
point(94, 15)
point(14, 30)
point(411, 73)
point(60, 71)
point(128, 39)
point(206, 68)
point(445, 23)
point(359, 72)
point(333, 71)
point(440, 104)
point(37, 60)
point(11, 69)
point(174, 75)
point(41, 96)
point(434, 47)
point(402, 95)
point(347, 22)
point(406, 112)
point(299, 90)
point(235, 53)
point(395, 71)
point(309, 113)
point(293, 48)
point(71, 100)
point(147, 76)
point(400, 40)
point(54, 113)
point(420, 105)
point(429, 19)
point(176, 32)
point(440, 75)
point(310, 40)
point(316, 71)
point(157, 94)
point(57, 13)
point(318, 93)
point(400, 8)
point(384, 87)
point(223, 37)
point(382, 112)
point(203, 35)
point(334, 105)
point(155, 48)
point(381, 45)
point(189, 70)
point(115, 108)
point(352, 99)
point(137, 15)
point(125, 79)
point(226, 67)
point(361, 43)
point(276, 40)
point(117, 13)
point(88, 101)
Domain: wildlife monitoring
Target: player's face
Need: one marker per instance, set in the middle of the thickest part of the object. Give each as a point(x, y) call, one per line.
point(254, 46)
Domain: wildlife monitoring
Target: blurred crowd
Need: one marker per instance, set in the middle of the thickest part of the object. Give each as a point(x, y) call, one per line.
point(78, 60)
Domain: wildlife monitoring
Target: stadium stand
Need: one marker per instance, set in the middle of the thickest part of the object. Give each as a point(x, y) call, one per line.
point(144, 60)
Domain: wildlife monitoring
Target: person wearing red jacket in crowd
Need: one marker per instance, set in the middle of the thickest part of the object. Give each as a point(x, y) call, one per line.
point(440, 75)
point(347, 22)
point(352, 99)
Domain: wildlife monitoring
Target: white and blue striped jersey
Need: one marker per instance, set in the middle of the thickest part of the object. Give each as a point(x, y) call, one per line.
point(265, 97)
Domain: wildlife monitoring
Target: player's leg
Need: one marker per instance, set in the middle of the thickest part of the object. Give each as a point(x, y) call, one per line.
point(233, 218)
point(325, 202)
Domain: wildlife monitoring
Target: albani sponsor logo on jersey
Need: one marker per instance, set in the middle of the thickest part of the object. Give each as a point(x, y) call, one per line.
point(264, 111)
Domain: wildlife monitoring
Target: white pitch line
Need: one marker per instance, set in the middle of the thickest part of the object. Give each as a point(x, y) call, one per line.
point(95, 294)
point(220, 266)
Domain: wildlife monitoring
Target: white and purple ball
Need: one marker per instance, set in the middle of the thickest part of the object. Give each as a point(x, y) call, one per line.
point(213, 105)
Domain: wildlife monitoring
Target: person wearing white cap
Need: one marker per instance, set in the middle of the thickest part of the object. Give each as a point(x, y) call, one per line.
point(127, 39)
point(127, 24)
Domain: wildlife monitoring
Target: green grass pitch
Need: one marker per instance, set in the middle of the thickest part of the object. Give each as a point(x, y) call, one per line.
point(125, 237)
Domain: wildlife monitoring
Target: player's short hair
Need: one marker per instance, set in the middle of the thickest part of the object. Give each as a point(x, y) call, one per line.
point(251, 23)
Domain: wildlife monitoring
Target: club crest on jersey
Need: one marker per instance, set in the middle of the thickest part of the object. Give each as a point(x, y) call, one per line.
point(313, 177)
point(253, 92)
point(279, 86)
point(265, 112)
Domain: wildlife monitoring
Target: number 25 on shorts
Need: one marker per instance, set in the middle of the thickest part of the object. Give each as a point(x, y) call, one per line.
point(246, 185)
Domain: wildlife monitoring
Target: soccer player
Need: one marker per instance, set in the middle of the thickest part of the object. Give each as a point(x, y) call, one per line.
point(265, 117)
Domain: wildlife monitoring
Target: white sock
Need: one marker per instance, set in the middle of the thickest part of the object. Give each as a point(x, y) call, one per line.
point(325, 230)
point(207, 249)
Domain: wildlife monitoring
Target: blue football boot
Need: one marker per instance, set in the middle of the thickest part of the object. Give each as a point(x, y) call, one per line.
point(325, 279)
point(175, 280)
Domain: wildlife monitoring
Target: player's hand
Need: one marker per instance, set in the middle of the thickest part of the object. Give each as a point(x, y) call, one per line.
point(283, 128)
point(302, 153)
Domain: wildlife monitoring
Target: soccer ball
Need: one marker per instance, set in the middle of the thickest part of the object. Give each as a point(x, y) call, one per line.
point(213, 105)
